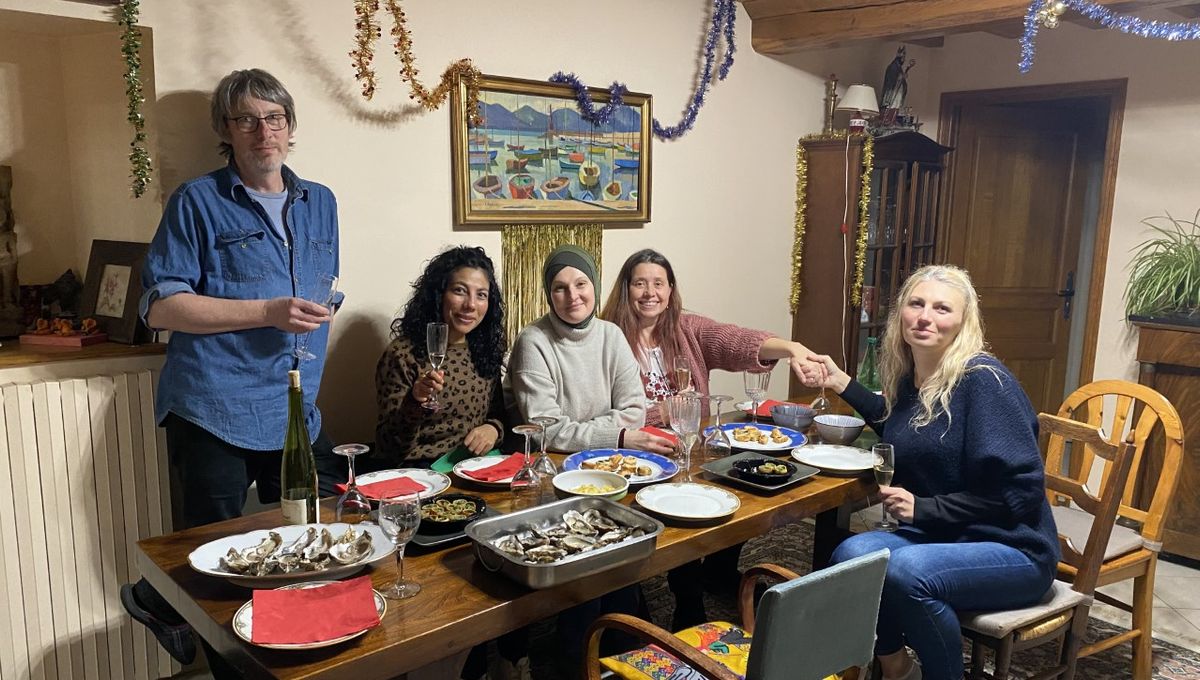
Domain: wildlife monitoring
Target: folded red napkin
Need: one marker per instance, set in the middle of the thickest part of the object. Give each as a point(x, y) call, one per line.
point(650, 429)
point(764, 408)
point(313, 614)
point(387, 488)
point(507, 467)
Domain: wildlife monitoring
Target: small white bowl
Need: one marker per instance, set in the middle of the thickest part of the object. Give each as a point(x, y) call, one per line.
point(567, 484)
point(839, 429)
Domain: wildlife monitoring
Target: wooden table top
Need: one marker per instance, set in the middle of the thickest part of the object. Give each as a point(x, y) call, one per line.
point(460, 603)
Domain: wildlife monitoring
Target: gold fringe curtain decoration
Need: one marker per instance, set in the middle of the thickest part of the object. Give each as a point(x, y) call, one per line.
point(524, 248)
point(800, 221)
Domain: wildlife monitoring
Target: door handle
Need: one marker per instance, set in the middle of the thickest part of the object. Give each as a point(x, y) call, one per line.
point(1068, 294)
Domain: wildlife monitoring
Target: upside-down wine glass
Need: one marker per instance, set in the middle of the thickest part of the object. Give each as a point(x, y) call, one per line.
point(352, 506)
point(716, 444)
point(322, 294)
point(885, 466)
point(437, 336)
point(685, 420)
point(399, 517)
point(543, 465)
point(755, 384)
point(526, 484)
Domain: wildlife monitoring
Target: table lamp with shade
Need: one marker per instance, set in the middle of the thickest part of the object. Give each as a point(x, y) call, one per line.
point(860, 99)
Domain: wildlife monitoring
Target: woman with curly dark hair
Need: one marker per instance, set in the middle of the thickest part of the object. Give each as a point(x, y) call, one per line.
point(458, 288)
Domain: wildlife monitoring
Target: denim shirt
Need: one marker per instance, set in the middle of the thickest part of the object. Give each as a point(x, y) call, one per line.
point(213, 240)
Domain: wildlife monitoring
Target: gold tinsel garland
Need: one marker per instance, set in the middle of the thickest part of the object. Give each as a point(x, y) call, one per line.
point(800, 223)
point(131, 44)
point(524, 248)
point(462, 69)
point(366, 31)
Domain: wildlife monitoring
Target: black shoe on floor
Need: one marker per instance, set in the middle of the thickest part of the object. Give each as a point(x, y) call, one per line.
point(177, 639)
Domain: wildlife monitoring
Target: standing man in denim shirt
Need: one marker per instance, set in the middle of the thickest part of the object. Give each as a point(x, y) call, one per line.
point(230, 271)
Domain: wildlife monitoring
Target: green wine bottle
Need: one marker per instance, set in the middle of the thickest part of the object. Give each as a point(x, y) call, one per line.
point(868, 368)
point(298, 470)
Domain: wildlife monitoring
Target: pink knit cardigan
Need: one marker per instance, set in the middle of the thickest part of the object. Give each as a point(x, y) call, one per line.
point(710, 345)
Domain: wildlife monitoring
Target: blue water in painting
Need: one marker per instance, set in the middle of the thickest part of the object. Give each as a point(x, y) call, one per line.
point(542, 169)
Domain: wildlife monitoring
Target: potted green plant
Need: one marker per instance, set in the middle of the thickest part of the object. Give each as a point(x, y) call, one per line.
point(1164, 281)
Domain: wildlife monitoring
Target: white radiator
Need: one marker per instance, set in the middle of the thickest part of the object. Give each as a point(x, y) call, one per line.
point(83, 476)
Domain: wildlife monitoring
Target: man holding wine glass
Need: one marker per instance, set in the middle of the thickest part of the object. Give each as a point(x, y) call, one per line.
point(231, 272)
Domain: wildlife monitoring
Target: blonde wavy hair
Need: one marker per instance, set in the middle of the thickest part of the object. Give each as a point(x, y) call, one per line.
point(896, 361)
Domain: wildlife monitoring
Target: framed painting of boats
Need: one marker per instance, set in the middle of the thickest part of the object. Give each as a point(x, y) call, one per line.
point(534, 158)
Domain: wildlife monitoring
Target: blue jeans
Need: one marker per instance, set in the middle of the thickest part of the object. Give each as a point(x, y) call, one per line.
point(927, 582)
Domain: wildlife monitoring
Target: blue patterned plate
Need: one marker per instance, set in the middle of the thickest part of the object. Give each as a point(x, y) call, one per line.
point(778, 438)
point(660, 467)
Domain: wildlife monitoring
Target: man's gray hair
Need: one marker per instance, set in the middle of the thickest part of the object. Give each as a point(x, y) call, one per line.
point(240, 85)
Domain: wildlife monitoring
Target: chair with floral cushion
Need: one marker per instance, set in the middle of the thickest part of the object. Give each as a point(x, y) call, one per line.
point(805, 628)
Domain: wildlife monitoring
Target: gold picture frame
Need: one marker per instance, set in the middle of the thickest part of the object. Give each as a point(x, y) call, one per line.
point(534, 158)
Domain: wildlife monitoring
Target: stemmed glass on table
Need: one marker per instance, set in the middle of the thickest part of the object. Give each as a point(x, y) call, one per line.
point(716, 444)
point(399, 517)
point(437, 337)
point(685, 421)
point(885, 465)
point(352, 506)
point(545, 467)
point(526, 484)
point(683, 375)
point(755, 384)
point(322, 294)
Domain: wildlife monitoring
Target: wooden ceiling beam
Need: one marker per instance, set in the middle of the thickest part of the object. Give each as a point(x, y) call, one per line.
point(933, 41)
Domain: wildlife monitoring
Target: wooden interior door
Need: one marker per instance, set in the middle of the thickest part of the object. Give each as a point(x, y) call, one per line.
point(1019, 175)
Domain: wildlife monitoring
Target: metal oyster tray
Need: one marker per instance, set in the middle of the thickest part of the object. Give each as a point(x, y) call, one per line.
point(538, 576)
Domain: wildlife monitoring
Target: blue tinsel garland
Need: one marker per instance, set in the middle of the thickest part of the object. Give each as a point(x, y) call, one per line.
point(1163, 30)
point(724, 13)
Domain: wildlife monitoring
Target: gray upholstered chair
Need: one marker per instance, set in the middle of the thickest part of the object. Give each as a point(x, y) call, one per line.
point(1062, 613)
point(806, 628)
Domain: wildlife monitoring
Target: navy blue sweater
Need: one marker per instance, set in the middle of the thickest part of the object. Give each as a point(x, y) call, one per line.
point(978, 477)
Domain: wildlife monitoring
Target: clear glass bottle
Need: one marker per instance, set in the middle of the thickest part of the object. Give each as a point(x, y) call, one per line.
point(298, 468)
point(868, 368)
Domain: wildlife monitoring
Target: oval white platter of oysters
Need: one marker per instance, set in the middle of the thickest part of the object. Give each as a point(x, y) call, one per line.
point(291, 554)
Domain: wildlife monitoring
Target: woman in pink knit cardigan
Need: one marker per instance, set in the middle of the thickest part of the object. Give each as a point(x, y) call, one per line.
point(645, 303)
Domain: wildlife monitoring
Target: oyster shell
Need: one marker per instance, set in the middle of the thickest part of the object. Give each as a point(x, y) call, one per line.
point(576, 533)
point(351, 547)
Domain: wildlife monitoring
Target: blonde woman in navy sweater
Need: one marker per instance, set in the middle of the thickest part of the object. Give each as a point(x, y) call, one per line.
point(976, 530)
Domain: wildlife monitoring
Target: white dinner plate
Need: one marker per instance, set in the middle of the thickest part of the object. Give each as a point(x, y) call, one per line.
point(835, 458)
point(688, 501)
point(478, 463)
point(244, 618)
point(794, 438)
point(206, 558)
point(434, 482)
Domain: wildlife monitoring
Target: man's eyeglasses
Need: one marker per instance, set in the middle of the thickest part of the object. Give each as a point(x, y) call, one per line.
point(275, 121)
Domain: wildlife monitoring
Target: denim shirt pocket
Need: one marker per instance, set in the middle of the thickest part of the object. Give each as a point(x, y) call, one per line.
point(323, 259)
point(243, 255)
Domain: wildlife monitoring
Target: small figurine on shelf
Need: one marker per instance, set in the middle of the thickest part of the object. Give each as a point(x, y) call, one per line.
point(64, 332)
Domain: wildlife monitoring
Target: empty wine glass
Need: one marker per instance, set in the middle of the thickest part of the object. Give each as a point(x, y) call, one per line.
point(885, 466)
point(755, 384)
point(685, 420)
point(399, 517)
point(526, 484)
point(322, 294)
point(352, 506)
point(683, 375)
point(716, 444)
point(437, 336)
point(543, 465)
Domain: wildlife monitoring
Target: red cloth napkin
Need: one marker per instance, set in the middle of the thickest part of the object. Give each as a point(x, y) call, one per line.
point(670, 436)
point(764, 408)
point(388, 487)
point(313, 614)
point(507, 467)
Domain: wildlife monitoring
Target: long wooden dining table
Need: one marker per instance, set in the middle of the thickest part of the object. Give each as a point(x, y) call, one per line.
point(461, 603)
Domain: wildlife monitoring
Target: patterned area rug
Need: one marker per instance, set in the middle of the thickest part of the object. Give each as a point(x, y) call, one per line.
point(791, 547)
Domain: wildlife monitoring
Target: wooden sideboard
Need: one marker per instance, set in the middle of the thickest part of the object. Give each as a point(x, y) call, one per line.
point(1170, 363)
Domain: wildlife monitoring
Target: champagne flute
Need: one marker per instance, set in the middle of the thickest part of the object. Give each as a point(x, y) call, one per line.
point(755, 384)
point(526, 484)
point(885, 466)
point(685, 420)
point(716, 444)
point(683, 375)
point(437, 336)
point(322, 294)
point(399, 517)
point(352, 506)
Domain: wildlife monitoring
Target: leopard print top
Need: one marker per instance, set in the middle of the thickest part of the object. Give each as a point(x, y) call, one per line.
point(408, 431)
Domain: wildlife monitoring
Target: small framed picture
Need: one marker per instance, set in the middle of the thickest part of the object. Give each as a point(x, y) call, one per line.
point(113, 288)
